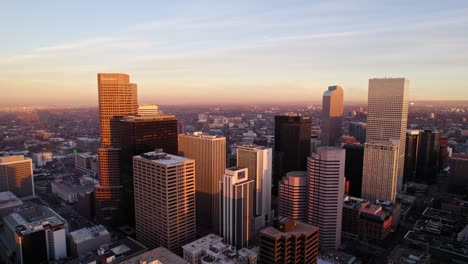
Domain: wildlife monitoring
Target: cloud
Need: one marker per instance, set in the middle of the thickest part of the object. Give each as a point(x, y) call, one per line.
point(97, 43)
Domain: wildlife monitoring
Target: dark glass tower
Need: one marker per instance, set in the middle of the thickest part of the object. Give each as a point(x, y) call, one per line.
point(353, 169)
point(292, 144)
point(428, 157)
point(411, 154)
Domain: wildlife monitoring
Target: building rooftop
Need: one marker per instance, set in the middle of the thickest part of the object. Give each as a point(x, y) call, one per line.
point(8, 200)
point(162, 158)
point(13, 158)
point(354, 202)
point(88, 233)
point(405, 255)
point(157, 255)
point(202, 243)
point(31, 219)
point(252, 147)
point(121, 249)
point(299, 228)
point(445, 216)
point(335, 257)
point(449, 246)
point(146, 118)
point(199, 134)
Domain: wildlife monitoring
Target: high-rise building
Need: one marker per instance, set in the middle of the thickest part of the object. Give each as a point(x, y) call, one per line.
point(380, 171)
point(458, 177)
point(411, 154)
point(164, 187)
point(117, 98)
point(428, 157)
point(209, 153)
point(236, 206)
point(16, 176)
point(292, 196)
point(444, 157)
point(289, 242)
point(325, 193)
point(387, 116)
point(292, 144)
point(140, 134)
point(353, 169)
point(34, 234)
point(332, 115)
point(358, 130)
point(258, 161)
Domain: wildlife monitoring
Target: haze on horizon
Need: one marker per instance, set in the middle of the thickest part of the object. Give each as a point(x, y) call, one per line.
point(232, 52)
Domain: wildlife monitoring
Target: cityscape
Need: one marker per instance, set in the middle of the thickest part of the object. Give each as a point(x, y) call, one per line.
point(350, 170)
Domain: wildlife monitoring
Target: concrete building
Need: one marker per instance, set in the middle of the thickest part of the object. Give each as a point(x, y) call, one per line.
point(292, 196)
point(405, 255)
point(87, 163)
point(148, 110)
point(42, 158)
point(8, 202)
point(387, 115)
point(236, 207)
point(164, 187)
point(117, 98)
point(69, 192)
point(375, 223)
point(325, 192)
point(289, 242)
point(352, 208)
point(16, 176)
point(258, 160)
point(34, 234)
point(380, 173)
point(458, 177)
point(87, 239)
point(160, 255)
point(358, 131)
point(209, 153)
point(210, 249)
point(86, 144)
point(332, 115)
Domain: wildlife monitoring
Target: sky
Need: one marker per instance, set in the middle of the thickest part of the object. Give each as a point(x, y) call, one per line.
point(219, 52)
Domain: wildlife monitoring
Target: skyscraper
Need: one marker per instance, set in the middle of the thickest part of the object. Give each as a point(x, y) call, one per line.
point(458, 177)
point(411, 154)
point(358, 130)
point(332, 115)
point(428, 157)
point(258, 161)
point(117, 98)
point(292, 144)
point(16, 176)
point(209, 153)
point(353, 169)
point(236, 207)
point(141, 134)
point(387, 116)
point(164, 200)
point(292, 196)
point(325, 193)
point(380, 172)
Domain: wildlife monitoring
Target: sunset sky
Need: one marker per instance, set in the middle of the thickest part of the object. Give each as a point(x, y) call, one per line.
point(181, 52)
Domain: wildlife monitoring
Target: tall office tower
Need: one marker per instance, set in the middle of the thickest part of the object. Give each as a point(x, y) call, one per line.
point(444, 157)
point(292, 196)
point(140, 134)
point(34, 234)
point(150, 109)
point(117, 98)
point(258, 161)
point(209, 153)
point(289, 242)
point(411, 154)
point(380, 173)
point(16, 176)
point(332, 115)
point(236, 206)
point(353, 169)
point(358, 130)
point(387, 116)
point(325, 193)
point(292, 144)
point(164, 200)
point(458, 177)
point(428, 157)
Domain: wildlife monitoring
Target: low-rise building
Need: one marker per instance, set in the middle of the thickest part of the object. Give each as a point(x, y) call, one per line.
point(160, 255)
point(87, 239)
point(87, 163)
point(375, 223)
point(8, 202)
point(69, 192)
point(405, 255)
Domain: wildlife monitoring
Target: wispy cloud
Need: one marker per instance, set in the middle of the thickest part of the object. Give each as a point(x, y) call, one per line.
point(97, 43)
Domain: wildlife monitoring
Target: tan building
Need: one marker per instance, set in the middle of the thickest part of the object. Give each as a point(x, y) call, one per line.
point(387, 116)
point(292, 196)
point(332, 115)
point(117, 98)
point(164, 188)
point(258, 161)
point(289, 242)
point(380, 172)
point(16, 176)
point(209, 153)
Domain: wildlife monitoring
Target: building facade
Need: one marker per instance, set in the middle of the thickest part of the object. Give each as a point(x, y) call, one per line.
point(164, 187)
point(332, 115)
point(353, 169)
point(16, 176)
point(292, 196)
point(411, 154)
point(428, 157)
point(358, 131)
point(387, 115)
point(325, 192)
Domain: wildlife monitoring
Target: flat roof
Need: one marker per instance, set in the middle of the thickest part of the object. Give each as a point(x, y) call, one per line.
point(162, 158)
point(89, 233)
point(299, 228)
point(8, 199)
point(160, 254)
point(202, 243)
point(401, 254)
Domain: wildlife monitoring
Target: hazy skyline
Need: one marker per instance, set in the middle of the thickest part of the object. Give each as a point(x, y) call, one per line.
point(233, 52)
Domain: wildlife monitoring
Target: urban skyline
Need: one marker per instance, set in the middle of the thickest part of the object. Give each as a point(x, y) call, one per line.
point(276, 49)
